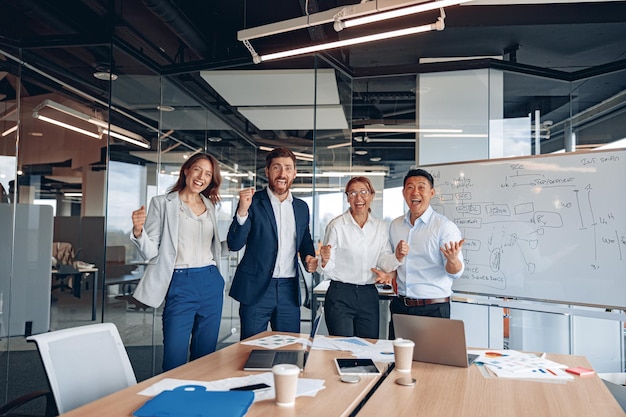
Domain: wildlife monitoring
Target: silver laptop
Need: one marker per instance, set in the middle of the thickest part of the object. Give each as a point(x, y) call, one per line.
point(437, 340)
point(264, 359)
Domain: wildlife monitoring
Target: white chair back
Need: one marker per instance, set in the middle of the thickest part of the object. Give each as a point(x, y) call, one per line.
point(84, 363)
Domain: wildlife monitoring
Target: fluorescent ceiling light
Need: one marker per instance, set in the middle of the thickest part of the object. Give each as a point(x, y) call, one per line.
point(363, 8)
point(73, 194)
point(401, 129)
point(103, 126)
point(355, 174)
point(456, 135)
point(127, 139)
point(66, 126)
point(317, 189)
point(388, 140)
point(341, 174)
point(299, 155)
point(359, 14)
point(339, 145)
point(238, 174)
point(341, 24)
point(439, 25)
point(9, 131)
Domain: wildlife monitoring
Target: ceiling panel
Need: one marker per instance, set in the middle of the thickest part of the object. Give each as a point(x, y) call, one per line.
point(296, 118)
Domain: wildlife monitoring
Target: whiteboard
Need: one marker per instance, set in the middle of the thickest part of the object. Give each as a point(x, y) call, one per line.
point(550, 228)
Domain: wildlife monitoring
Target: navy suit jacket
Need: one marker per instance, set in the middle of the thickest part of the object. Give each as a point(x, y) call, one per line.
point(260, 236)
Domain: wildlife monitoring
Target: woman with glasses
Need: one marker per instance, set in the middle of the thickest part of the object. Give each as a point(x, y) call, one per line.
point(355, 243)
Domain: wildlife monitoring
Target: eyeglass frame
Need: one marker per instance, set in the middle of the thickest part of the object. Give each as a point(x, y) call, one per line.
point(362, 193)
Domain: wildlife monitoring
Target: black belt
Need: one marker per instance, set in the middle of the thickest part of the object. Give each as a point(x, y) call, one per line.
point(338, 284)
point(420, 302)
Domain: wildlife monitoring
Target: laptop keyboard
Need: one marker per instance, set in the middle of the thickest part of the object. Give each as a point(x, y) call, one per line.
point(285, 357)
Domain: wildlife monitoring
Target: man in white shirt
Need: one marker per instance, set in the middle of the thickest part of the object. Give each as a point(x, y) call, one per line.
point(273, 225)
point(429, 247)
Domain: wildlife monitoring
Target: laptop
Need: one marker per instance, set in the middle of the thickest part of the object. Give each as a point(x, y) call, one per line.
point(264, 359)
point(437, 340)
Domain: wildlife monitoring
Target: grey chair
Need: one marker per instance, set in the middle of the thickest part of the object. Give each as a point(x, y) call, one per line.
point(82, 364)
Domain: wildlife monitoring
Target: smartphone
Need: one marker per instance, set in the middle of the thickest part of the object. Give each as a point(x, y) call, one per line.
point(356, 366)
point(253, 387)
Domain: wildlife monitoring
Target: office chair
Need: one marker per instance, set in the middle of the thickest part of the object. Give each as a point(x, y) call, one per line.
point(83, 364)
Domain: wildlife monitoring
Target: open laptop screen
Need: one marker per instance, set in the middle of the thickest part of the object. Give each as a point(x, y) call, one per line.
point(263, 359)
point(437, 340)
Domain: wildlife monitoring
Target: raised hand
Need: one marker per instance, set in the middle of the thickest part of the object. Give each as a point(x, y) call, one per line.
point(402, 250)
point(139, 219)
point(245, 199)
point(311, 263)
point(325, 254)
point(451, 250)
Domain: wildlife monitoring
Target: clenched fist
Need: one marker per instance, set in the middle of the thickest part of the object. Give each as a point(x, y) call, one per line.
point(139, 219)
point(325, 254)
point(402, 250)
point(245, 199)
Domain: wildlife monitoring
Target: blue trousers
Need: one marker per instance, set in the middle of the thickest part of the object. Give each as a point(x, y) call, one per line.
point(193, 309)
point(280, 306)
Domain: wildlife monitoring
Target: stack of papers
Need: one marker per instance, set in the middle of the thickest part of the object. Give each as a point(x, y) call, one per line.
point(512, 364)
point(307, 387)
point(381, 351)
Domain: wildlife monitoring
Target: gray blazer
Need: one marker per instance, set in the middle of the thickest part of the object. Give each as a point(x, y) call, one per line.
point(158, 245)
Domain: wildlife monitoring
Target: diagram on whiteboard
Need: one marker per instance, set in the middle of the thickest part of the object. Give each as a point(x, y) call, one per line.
point(551, 227)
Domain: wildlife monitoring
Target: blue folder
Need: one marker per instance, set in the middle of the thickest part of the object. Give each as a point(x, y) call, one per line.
point(196, 401)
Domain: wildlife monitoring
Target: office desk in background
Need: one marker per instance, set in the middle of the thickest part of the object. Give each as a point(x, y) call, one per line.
point(336, 399)
point(450, 391)
point(76, 276)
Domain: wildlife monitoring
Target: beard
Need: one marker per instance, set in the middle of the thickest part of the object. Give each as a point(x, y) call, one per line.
point(279, 189)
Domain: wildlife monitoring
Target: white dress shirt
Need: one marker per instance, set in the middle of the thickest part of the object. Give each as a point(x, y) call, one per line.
point(355, 250)
point(286, 225)
point(422, 273)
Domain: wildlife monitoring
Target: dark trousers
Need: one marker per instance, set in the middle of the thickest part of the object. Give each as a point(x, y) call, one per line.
point(352, 310)
point(279, 306)
point(432, 310)
point(193, 308)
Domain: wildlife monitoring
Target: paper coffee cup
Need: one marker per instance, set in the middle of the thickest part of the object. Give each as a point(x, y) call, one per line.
point(403, 354)
point(285, 383)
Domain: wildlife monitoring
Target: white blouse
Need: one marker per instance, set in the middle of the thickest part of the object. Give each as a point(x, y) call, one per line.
point(355, 250)
point(195, 234)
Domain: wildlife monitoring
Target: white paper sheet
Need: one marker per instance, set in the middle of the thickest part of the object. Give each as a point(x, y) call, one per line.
point(306, 386)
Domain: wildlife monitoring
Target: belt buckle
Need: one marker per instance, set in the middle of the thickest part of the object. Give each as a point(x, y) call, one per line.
point(409, 304)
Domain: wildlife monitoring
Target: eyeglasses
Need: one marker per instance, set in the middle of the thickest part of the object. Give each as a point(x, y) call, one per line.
point(353, 194)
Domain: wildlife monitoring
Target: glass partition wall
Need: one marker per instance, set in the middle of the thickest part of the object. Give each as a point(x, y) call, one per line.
point(89, 178)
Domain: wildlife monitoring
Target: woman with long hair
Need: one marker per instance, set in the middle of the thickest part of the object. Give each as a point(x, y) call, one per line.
point(179, 238)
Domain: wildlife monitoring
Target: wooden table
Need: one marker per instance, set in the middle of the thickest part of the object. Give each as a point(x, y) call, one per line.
point(450, 391)
point(337, 399)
